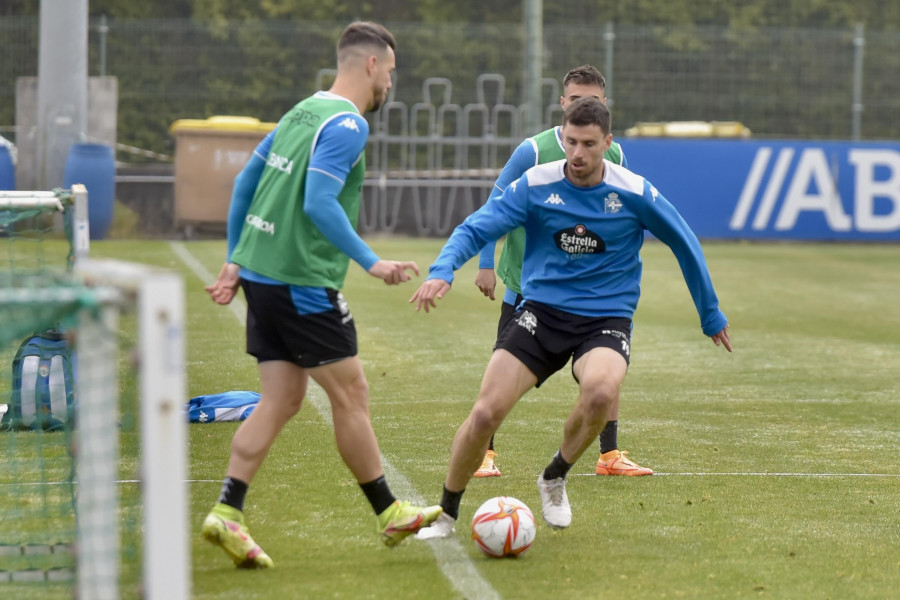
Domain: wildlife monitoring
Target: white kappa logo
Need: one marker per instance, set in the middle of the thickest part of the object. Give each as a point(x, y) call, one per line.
point(554, 199)
point(349, 124)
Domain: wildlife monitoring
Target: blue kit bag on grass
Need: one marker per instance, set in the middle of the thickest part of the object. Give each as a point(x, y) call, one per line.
point(226, 406)
point(43, 391)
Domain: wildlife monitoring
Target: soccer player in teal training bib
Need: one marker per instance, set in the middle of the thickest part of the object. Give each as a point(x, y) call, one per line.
point(581, 82)
point(584, 220)
point(291, 236)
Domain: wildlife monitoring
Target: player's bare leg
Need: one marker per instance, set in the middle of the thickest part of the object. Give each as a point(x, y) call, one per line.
point(345, 384)
point(600, 373)
point(612, 460)
point(348, 391)
point(283, 386)
point(505, 380)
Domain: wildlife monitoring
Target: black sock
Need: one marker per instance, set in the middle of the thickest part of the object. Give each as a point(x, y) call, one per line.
point(557, 468)
point(450, 502)
point(378, 494)
point(233, 493)
point(609, 437)
point(491, 445)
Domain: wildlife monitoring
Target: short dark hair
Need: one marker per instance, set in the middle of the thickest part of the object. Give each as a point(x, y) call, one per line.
point(588, 111)
point(585, 75)
point(366, 33)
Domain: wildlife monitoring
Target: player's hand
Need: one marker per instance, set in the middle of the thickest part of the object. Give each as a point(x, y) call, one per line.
point(393, 272)
point(486, 281)
point(428, 292)
point(223, 290)
point(722, 339)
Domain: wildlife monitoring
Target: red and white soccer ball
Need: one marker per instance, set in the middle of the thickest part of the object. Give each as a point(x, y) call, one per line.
point(503, 526)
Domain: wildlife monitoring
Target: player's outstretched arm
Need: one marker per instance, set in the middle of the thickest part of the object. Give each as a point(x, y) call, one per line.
point(428, 292)
point(223, 290)
point(486, 281)
point(722, 339)
point(392, 272)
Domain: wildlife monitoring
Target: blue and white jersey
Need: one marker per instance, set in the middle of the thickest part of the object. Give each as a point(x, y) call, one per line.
point(582, 248)
point(524, 157)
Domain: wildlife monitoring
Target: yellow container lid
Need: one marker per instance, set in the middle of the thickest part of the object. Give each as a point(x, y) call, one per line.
point(223, 123)
point(689, 129)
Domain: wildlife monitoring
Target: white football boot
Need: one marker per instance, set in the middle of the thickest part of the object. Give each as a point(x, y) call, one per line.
point(554, 502)
point(443, 527)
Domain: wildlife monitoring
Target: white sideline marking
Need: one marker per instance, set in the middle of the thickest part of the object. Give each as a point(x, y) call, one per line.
point(761, 474)
point(452, 559)
point(421, 501)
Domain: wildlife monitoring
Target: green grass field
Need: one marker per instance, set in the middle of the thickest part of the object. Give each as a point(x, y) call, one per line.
point(777, 467)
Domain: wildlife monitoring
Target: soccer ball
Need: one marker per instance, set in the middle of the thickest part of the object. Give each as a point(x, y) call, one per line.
point(503, 526)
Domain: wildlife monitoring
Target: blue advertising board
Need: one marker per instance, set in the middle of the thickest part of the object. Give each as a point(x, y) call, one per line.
point(775, 189)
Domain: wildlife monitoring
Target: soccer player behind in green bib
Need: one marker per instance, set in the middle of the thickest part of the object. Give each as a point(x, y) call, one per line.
point(581, 82)
point(291, 235)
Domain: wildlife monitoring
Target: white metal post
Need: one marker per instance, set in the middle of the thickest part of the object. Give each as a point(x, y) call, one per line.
point(163, 432)
point(97, 452)
point(81, 226)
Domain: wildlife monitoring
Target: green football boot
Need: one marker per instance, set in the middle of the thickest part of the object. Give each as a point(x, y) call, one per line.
point(401, 519)
point(224, 526)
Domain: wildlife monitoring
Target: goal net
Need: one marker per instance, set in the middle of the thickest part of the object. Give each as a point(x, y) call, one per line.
point(42, 232)
point(95, 507)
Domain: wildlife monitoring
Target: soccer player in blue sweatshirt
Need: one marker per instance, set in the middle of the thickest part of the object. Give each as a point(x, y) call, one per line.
point(547, 146)
point(584, 220)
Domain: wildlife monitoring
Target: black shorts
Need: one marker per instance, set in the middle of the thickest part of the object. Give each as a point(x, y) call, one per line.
point(277, 331)
point(507, 312)
point(545, 338)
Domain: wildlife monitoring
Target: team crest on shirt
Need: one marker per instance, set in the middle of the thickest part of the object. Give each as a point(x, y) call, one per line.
point(528, 321)
point(612, 204)
point(579, 241)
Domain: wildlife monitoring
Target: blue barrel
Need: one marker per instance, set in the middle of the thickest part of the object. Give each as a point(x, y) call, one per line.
point(94, 165)
point(7, 170)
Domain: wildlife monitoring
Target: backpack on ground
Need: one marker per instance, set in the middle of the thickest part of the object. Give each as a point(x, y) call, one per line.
point(43, 392)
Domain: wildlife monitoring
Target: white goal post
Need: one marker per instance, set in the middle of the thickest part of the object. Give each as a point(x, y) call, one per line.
point(77, 196)
point(161, 347)
point(101, 291)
